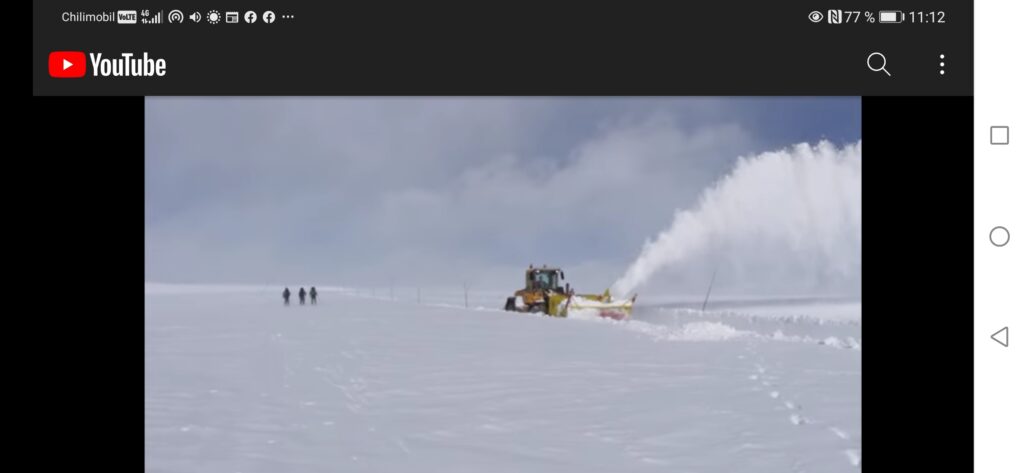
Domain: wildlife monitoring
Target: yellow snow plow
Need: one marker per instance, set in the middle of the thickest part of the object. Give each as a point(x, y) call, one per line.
point(543, 294)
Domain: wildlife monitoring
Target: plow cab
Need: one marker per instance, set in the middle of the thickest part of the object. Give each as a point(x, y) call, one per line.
point(543, 293)
point(541, 286)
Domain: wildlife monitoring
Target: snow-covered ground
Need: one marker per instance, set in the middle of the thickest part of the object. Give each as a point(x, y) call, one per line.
point(235, 382)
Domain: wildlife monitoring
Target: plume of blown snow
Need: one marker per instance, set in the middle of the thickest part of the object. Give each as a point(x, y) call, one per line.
point(795, 209)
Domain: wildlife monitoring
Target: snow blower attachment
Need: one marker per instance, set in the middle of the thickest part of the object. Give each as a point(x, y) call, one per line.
point(543, 294)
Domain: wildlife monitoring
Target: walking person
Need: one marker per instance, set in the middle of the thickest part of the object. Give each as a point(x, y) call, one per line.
point(285, 295)
point(313, 295)
point(302, 296)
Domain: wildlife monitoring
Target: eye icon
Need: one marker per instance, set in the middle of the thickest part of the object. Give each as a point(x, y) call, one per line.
point(815, 16)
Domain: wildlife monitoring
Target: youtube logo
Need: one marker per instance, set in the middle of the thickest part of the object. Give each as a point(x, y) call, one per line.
point(67, 64)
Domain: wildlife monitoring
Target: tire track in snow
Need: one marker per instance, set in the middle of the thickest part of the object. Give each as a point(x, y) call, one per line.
point(353, 387)
point(760, 376)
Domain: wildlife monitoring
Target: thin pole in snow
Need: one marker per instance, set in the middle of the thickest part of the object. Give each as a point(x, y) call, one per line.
point(466, 295)
point(709, 290)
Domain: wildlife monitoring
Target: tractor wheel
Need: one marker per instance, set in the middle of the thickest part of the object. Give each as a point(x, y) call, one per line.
point(536, 308)
point(510, 304)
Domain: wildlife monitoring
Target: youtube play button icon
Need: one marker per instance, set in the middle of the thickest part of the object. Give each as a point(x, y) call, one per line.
point(67, 64)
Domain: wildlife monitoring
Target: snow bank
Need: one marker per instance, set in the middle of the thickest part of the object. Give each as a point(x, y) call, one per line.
point(690, 332)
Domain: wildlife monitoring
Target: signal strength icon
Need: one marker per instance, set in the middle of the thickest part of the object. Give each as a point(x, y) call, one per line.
point(155, 19)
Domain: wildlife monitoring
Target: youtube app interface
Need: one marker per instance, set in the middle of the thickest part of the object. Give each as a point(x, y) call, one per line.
point(711, 238)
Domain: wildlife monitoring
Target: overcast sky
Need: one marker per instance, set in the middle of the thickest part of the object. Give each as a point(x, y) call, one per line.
point(359, 191)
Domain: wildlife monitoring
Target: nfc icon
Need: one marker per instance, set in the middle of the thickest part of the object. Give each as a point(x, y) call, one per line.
point(835, 16)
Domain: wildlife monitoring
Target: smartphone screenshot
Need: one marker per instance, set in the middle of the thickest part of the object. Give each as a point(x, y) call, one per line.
point(722, 237)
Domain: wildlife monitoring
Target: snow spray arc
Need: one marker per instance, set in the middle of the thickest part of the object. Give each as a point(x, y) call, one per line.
point(806, 198)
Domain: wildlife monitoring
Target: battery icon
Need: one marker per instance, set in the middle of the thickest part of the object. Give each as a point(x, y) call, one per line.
point(891, 16)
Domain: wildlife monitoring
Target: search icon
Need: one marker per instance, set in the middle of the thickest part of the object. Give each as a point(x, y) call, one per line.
point(882, 67)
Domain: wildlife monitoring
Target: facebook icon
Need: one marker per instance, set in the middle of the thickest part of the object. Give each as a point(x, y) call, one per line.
point(250, 16)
